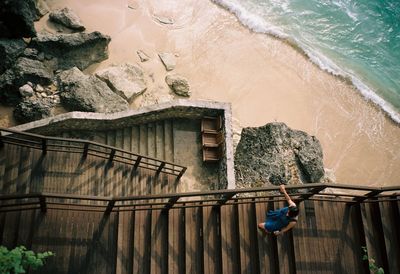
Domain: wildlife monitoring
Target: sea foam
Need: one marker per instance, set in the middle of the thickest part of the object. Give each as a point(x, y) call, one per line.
point(259, 25)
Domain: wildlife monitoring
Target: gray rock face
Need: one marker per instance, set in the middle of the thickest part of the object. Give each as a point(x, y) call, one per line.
point(67, 18)
point(88, 93)
point(178, 84)
point(126, 80)
point(76, 49)
point(169, 60)
point(276, 154)
point(17, 17)
point(32, 109)
point(10, 49)
point(25, 70)
point(41, 8)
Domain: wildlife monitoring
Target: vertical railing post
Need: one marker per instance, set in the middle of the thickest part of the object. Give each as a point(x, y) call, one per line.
point(44, 146)
point(42, 202)
point(85, 150)
point(110, 206)
point(1, 140)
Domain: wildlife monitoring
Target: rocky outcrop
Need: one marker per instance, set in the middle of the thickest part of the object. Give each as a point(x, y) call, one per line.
point(178, 84)
point(67, 18)
point(25, 70)
point(87, 93)
point(169, 60)
point(276, 154)
point(10, 49)
point(17, 18)
point(70, 50)
point(126, 80)
point(32, 109)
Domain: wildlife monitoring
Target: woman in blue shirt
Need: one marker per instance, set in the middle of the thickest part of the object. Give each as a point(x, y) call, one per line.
point(281, 220)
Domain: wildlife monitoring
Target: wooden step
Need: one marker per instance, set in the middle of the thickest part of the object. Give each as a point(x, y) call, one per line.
point(193, 241)
point(212, 240)
point(266, 243)
point(374, 237)
point(168, 141)
point(249, 262)
point(125, 242)
point(390, 216)
point(285, 249)
point(142, 242)
point(176, 241)
point(159, 242)
point(230, 239)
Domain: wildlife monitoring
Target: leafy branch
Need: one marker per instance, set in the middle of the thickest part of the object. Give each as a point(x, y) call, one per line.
point(371, 263)
point(19, 259)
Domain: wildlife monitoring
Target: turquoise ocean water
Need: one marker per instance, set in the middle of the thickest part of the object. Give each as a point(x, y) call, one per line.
point(358, 39)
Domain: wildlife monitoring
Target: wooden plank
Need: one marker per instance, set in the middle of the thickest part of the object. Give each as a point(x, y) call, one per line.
point(390, 223)
point(230, 239)
point(125, 242)
point(24, 170)
point(194, 240)
point(267, 249)
point(212, 240)
point(3, 160)
point(176, 241)
point(159, 239)
point(10, 233)
point(11, 170)
point(300, 239)
point(247, 239)
point(285, 250)
point(372, 225)
point(169, 140)
point(141, 252)
point(160, 141)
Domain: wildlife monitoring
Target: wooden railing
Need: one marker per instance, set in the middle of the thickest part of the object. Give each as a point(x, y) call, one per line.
point(84, 147)
point(216, 198)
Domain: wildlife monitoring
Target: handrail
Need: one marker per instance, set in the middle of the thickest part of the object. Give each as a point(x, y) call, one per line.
point(213, 198)
point(48, 143)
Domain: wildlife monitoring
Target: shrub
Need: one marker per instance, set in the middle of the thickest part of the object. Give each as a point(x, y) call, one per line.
point(371, 263)
point(19, 259)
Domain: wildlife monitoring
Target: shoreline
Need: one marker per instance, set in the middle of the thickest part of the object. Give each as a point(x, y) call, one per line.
point(367, 92)
point(264, 79)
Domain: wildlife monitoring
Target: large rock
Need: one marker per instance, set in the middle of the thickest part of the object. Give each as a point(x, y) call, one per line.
point(67, 18)
point(276, 154)
point(10, 49)
point(17, 17)
point(126, 80)
point(88, 93)
point(24, 70)
point(76, 49)
point(32, 109)
point(178, 84)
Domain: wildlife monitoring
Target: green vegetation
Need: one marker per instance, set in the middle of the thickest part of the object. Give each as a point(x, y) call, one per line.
point(371, 263)
point(19, 259)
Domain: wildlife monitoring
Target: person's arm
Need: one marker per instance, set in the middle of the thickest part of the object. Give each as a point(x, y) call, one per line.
point(286, 228)
point(287, 197)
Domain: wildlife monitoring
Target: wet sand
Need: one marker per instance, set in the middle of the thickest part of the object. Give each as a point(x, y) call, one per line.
point(265, 79)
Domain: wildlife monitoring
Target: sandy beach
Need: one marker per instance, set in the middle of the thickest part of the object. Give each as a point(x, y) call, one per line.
point(263, 78)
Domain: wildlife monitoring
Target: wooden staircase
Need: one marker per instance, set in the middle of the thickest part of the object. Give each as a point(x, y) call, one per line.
point(103, 216)
point(195, 237)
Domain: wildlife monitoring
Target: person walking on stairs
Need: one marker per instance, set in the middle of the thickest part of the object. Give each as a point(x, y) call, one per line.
point(281, 220)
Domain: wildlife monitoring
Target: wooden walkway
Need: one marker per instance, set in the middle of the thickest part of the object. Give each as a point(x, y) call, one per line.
point(327, 239)
point(102, 216)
